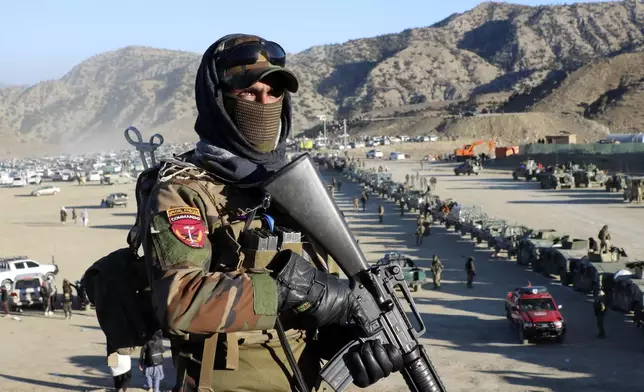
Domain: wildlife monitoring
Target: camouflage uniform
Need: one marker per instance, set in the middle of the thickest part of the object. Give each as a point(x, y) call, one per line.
point(420, 230)
point(355, 203)
point(470, 270)
point(604, 239)
point(432, 183)
point(200, 286)
point(637, 194)
point(437, 270)
point(600, 312)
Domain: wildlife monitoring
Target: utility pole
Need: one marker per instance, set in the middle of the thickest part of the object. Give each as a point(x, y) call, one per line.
point(323, 118)
point(326, 141)
point(344, 126)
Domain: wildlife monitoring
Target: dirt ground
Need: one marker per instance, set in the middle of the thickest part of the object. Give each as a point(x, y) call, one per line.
point(468, 338)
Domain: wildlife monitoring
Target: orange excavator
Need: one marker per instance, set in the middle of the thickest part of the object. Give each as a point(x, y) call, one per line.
point(463, 154)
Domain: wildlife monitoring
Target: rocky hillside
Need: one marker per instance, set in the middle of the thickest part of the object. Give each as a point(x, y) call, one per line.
point(494, 47)
point(610, 91)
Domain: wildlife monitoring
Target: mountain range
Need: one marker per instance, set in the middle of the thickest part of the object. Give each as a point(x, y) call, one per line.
point(537, 56)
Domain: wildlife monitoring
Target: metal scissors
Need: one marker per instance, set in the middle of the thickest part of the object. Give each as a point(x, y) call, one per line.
point(142, 147)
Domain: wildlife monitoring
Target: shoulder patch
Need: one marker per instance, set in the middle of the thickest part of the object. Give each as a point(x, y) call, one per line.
point(186, 224)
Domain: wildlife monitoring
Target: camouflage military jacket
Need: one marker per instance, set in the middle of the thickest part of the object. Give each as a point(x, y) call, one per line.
point(189, 226)
point(188, 231)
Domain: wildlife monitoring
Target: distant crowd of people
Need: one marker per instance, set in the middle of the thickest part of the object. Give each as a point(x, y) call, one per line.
point(84, 216)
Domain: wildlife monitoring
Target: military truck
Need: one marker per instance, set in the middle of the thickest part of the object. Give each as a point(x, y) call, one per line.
point(472, 221)
point(413, 199)
point(561, 259)
point(382, 188)
point(632, 185)
point(468, 167)
point(507, 240)
point(488, 229)
point(458, 214)
point(376, 179)
point(556, 180)
point(616, 182)
point(392, 189)
point(530, 245)
point(587, 278)
point(624, 290)
point(440, 211)
point(529, 169)
point(589, 176)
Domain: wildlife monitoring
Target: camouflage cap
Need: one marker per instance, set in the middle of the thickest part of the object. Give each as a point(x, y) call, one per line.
point(243, 76)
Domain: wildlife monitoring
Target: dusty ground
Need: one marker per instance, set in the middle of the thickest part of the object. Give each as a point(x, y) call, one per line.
point(468, 337)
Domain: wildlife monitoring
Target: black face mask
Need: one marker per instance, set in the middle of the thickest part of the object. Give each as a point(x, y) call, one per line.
point(258, 123)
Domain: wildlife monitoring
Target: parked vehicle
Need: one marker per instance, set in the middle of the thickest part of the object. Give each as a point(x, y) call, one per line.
point(468, 167)
point(529, 169)
point(19, 182)
point(414, 275)
point(14, 266)
point(48, 190)
point(94, 176)
point(533, 312)
point(26, 291)
point(374, 154)
point(116, 199)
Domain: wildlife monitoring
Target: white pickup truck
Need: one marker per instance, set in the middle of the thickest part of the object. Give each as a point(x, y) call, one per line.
point(14, 266)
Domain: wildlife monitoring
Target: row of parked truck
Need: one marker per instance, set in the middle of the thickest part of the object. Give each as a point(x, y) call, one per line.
point(546, 251)
point(381, 183)
point(553, 254)
point(572, 175)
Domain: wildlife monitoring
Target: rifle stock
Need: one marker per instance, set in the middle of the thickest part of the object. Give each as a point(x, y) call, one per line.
point(299, 191)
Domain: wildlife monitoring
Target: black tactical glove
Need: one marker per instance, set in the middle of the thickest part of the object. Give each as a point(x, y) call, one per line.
point(372, 361)
point(316, 297)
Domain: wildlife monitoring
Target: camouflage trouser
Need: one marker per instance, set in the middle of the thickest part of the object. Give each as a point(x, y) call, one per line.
point(437, 279)
point(261, 368)
point(470, 279)
point(67, 308)
point(600, 325)
point(604, 246)
point(355, 206)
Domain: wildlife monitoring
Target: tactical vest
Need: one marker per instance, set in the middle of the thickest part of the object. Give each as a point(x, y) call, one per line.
point(241, 246)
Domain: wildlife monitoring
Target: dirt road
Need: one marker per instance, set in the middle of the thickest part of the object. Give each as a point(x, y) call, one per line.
point(579, 212)
point(468, 337)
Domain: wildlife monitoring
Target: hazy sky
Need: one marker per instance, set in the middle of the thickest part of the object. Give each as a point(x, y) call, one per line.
point(43, 39)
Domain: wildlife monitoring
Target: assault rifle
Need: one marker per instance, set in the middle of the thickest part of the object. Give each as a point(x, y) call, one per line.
point(298, 190)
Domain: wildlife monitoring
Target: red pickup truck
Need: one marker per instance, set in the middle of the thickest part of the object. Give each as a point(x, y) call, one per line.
point(534, 314)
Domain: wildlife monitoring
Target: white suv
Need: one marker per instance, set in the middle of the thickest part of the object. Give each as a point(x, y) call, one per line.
point(373, 154)
point(14, 266)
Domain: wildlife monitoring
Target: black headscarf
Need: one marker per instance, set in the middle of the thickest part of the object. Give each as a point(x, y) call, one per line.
point(216, 128)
